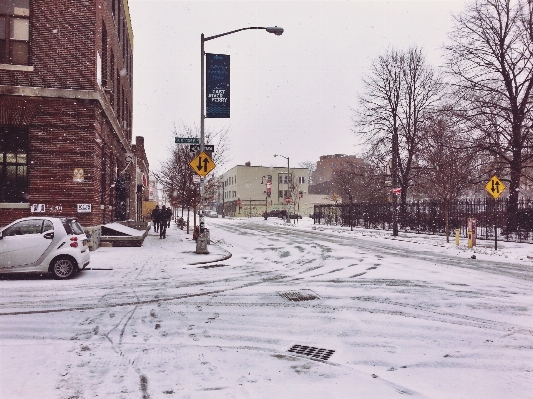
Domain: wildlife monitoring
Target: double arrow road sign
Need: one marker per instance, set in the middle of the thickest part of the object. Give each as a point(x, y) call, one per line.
point(495, 187)
point(202, 164)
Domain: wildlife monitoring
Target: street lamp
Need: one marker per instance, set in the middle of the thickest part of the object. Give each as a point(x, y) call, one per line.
point(278, 31)
point(288, 182)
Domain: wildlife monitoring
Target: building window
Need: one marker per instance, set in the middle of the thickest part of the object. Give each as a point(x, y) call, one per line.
point(112, 80)
point(15, 32)
point(301, 179)
point(282, 178)
point(283, 194)
point(13, 165)
point(104, 56)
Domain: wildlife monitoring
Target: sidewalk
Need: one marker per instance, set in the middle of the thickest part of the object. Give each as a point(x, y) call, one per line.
point(179, 241)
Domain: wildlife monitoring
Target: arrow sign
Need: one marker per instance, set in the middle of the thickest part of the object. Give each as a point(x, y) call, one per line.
point(202, 168)
point(495, 187)
point(202, 164)
point(207, 148)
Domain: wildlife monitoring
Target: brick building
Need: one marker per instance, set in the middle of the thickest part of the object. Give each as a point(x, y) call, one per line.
point(325, 168)
point(66, 111)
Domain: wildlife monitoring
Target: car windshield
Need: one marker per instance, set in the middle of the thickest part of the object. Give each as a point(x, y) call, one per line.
point(72, 226)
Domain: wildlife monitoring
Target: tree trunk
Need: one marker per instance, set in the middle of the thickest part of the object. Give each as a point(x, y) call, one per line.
point(447, 219)
point(188, 212)
point(512, 207)
point(514, 187)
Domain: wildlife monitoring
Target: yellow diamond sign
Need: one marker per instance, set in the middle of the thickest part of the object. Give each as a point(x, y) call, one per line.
point(495, 187)
point(202, 164)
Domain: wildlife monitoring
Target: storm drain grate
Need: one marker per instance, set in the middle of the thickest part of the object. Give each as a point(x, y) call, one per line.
point(301, 295)
point(312, 352)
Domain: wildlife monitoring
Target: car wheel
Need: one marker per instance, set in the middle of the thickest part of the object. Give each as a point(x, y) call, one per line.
point(63, 267)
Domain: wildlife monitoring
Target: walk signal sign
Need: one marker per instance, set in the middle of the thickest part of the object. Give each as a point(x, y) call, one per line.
point(495, 187)
point(202, 164)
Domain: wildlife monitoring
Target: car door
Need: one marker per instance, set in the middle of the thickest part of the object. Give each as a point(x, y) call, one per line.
point(23, 243)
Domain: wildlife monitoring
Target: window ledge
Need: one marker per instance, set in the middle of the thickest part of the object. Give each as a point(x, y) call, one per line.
point(14, 205)
point(9, 67)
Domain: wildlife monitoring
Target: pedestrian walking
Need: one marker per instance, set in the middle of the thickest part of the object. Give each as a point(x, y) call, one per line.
point(156, 218)
point(169, 216)
point(163, 222)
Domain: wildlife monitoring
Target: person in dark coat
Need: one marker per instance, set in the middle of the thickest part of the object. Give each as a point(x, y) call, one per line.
point(156, 218)
point(163, 222)
point(169, 216)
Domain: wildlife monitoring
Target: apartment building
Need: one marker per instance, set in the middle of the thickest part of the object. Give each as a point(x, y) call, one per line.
point(66, 111)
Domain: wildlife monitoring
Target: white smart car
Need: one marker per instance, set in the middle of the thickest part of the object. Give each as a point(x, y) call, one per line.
point(44, 244)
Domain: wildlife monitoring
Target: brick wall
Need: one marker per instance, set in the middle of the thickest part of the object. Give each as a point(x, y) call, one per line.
point(67, 133)
point(62, 36)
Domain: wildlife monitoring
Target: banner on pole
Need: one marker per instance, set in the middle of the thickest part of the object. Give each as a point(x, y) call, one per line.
point(217, 86)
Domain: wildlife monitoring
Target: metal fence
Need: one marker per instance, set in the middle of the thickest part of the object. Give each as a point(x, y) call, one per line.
point(428, 217)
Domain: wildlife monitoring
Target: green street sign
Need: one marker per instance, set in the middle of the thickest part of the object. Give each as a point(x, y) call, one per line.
point(186, 140)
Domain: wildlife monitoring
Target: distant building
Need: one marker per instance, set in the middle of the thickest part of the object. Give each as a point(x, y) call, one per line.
point(66, 106)
point(250, 190)
point(322, 177)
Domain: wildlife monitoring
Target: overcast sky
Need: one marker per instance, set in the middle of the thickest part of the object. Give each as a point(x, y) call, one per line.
point(290, 94)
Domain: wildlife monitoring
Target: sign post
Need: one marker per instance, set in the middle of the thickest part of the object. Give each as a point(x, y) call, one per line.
point(495, 187)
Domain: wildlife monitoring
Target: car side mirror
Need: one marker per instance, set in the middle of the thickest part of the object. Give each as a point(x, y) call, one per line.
point(49, 235)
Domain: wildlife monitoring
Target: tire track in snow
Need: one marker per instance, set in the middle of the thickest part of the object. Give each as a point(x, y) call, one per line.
point(515, 270)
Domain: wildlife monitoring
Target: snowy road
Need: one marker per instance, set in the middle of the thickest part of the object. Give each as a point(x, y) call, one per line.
point(405, 317)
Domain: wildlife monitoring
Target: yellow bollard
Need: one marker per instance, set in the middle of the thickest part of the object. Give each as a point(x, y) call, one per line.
point(457, 237)
point(469, 238)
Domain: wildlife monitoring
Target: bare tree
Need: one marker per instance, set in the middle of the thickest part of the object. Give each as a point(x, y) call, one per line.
point(399, 94)
point(446, 169)
point(176, 175)
point(491, 61)
point(358, 181)
point(311, 167)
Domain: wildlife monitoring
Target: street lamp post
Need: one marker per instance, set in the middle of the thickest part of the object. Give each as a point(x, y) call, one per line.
point(275, 30)
point(288, 183)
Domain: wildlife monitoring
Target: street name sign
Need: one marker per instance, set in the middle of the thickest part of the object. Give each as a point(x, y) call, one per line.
point(207, 147)
point(186, 140)
point(495, 187)
point(202, 164)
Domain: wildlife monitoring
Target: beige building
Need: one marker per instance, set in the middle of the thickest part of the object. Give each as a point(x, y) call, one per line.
point(250, 190)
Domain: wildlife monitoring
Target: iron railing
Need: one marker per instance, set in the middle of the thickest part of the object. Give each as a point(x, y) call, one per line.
point(429, 217)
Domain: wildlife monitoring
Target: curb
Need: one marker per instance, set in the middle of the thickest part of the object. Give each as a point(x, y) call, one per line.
point(229, 255)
